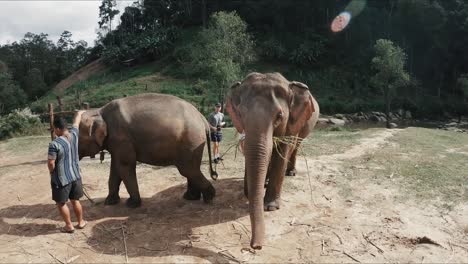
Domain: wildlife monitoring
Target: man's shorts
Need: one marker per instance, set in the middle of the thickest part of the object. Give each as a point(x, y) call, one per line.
point(216, 136)
point(72, 191)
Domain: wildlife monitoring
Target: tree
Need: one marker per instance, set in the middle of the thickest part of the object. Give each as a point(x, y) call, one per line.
point(462, 102)
point(34, 83)
point(389, 65)
point(222, 50)
point(11, 95)
point(65, 41)
point(107, 14)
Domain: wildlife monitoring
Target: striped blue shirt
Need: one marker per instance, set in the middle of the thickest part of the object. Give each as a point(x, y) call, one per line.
point(65, 154)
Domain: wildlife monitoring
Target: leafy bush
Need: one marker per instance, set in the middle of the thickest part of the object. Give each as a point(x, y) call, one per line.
point(145, 46)
point(308, 51)
point(11, 95)
point(20, 123)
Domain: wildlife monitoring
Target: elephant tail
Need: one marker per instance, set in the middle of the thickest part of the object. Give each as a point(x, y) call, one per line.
point(213, 173)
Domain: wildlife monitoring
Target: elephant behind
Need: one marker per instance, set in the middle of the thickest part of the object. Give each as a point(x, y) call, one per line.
point(154, 129)
point(266, 106)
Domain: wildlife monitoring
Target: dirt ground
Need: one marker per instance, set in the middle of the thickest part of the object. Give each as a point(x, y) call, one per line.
point(316, 222)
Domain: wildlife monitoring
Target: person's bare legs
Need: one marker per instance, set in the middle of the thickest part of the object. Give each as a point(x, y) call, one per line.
point(215, 149)
point(65, 213)
point(78, 212)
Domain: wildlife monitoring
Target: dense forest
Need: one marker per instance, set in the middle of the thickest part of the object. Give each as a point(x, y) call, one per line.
point(399, 54)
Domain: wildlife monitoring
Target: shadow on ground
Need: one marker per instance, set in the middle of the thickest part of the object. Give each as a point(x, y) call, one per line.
point(165, 225)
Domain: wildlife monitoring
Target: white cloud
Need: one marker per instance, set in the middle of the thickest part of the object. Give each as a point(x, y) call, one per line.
point(81, 18)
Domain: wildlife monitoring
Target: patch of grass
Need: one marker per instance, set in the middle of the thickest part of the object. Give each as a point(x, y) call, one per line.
point(328, 142)
point(26, 145)
point(426, 165)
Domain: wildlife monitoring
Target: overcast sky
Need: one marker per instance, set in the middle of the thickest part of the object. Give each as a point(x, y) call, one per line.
point(17, 17)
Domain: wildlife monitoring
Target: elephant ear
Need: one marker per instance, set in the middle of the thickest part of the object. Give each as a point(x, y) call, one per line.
point(98, 130)
point(301, 107)
point(232, 103)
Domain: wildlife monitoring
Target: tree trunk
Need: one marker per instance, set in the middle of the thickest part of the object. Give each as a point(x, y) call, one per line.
point(204, 13)
point(387, 106)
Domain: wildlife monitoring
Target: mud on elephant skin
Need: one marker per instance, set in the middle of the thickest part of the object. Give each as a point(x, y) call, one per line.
point(264, 106)
point(155, 129)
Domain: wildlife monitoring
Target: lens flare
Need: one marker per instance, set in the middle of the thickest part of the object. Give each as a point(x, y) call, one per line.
point(341, 21)
point(353, 9)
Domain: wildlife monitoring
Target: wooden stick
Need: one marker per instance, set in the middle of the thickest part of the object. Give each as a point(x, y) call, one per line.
point(228, 256)
point(322, 247)
point(370, 242)
point(351, 257)
point(125, 244)
point(70, 260)
point(339, 238)
point(56, 258)
point(51, 120)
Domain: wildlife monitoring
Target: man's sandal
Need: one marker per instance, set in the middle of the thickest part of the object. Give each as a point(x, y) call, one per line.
point(65, 230)
point(83, 226)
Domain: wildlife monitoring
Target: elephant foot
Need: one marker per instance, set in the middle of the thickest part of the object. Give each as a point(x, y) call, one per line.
point(192, 195)
point(133, 202)
point(291, 172)
point(112, 200)
point(272, 206)
point(208, 194)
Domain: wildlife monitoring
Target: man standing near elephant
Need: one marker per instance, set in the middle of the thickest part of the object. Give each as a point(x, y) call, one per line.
point(216, 122)
point(65, 171)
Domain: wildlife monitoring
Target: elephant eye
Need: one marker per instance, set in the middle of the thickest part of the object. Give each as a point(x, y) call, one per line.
point(279, 119)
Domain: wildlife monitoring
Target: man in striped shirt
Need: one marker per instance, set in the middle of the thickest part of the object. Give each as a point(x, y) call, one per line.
point(65, 171)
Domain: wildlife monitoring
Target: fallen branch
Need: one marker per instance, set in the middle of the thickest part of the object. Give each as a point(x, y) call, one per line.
point(339, 238)
point(372, 243)
point(70, 260)
point(125, 244)
point(56, 258)
point(460, 246)
point(351, 257)
point(323, 245)
point(229, 256)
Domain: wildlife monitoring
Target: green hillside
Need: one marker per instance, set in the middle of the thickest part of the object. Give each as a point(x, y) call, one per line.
point(103, 87)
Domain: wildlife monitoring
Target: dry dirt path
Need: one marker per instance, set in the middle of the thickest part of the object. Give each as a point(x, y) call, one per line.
point(317, 223)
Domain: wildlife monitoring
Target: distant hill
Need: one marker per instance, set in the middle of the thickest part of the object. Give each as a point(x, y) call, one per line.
point(82, 74)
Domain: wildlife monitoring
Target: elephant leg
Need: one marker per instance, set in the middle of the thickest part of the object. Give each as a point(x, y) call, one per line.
point(275, 178)
point(246, 186)
point(201, 183)
point(114, 184)
point(129, 178)
point(291, 170)
point(197, 183)
point(192, 193)
point(189, 166)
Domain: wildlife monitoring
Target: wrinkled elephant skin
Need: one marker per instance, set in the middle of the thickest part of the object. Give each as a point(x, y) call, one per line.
point(264, 106)
point(154, 129)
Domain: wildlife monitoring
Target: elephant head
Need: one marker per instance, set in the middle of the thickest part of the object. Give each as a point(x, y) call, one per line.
point(93, 132)
point(264, 106)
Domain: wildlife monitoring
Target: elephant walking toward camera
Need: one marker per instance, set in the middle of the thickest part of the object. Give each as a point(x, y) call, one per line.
point(154, 129)
point(266, 106)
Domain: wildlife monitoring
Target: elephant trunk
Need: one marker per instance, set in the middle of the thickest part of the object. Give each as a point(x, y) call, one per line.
point(257, 149)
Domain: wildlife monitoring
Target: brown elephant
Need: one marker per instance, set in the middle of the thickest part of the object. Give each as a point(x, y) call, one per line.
point(266, 106)
point(154, 129)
